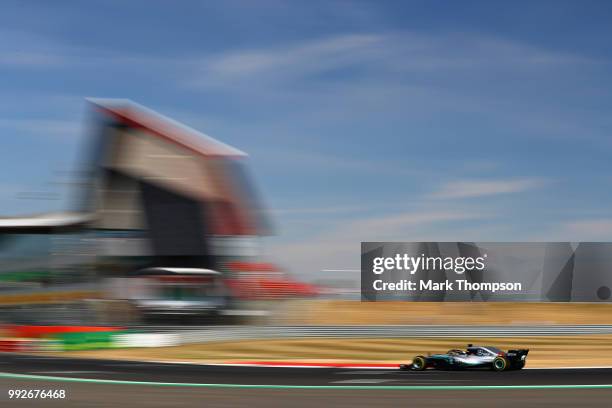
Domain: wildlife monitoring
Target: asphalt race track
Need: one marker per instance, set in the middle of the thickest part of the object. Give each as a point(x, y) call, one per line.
point(122, 382)
point(211, 374)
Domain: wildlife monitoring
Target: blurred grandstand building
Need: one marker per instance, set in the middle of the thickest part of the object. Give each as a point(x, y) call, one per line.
point(156, 194)
point(162, 191)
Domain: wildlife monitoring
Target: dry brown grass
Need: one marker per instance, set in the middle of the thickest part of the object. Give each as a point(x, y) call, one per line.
point(558, 351)
point(343, 312)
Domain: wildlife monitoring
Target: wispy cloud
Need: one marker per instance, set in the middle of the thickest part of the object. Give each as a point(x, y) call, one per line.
point(585, 230)
point(480, 188)
point(403, 75)
point(292, 61)
point(30, 59)
point(390, 53)
point(341, 161)
point(21, 49)
point(318, 211)
point(338, 245)
point(42, 127)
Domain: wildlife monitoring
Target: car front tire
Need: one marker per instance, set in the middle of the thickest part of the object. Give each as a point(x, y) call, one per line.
point(419, 363)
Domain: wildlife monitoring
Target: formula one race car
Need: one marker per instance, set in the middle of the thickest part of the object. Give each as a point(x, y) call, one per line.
point(472, 357)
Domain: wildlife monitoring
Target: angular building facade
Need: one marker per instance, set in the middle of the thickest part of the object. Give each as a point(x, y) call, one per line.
point(163, 193)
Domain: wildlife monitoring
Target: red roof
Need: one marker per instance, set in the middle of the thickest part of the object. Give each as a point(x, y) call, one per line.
point(138, 116)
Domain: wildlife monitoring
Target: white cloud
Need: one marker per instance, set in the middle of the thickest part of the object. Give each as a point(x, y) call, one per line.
point(480, 188)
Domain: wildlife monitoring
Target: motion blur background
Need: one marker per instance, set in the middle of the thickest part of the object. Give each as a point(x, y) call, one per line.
point(330, 123)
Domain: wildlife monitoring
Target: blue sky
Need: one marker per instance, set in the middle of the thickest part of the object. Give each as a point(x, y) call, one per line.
point(381, 120)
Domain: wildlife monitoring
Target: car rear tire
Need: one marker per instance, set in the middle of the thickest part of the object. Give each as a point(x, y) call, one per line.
point(419, 363)
point(500, 364)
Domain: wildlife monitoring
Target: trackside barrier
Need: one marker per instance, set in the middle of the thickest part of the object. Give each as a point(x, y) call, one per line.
point(147, 340)
point(160, 336)
point(28, 345)
point(237, 333)
point(47, 345)
point(87, 340)
point(11, 345)
point(50, 331)
point(103, 340)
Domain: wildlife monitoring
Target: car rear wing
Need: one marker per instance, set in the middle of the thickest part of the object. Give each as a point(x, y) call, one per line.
point(518, 353)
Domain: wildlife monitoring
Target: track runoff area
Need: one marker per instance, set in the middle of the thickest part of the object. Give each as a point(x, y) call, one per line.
point(280, 375)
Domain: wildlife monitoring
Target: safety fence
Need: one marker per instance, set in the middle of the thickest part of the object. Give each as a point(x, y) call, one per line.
point(46, 338)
